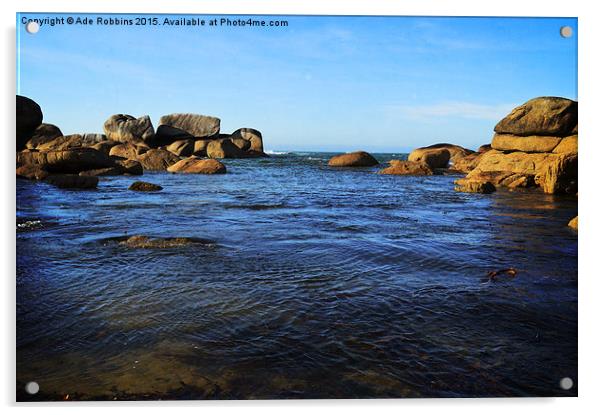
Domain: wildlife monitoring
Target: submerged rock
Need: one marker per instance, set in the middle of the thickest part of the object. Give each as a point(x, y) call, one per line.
point(146, 242)
point(414, 168)
point(29, 117)
point(145, 187)
point(355, 159)
point(574, 223)
point(31, 172)
point(107, 171)
point(72, 181)
point(197, 166)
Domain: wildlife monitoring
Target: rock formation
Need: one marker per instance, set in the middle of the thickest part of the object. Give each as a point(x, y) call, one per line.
point(200, 126)
point(128, 129)
point(145, 187)
point(29, 118)
point(355, 159)
point(534, 146)
point(434, 157)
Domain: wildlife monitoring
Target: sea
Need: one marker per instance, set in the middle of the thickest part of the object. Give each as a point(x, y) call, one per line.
point(312, 282)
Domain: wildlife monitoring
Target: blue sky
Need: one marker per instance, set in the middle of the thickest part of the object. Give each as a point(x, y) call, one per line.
point(322, 83)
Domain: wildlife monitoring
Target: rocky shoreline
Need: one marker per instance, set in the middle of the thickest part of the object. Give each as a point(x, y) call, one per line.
point(535, 146)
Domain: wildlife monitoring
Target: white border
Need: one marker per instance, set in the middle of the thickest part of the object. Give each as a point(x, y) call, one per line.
point(590, 94)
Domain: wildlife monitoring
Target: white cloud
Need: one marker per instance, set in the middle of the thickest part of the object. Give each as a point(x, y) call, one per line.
point(451, 109)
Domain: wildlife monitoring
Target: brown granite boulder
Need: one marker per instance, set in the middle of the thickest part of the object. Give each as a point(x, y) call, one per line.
point(484, 148)
point(197, 165)
point(411, 168)
point(31, 172)
point(182, 148)
point(354, 159)
point(221, 149)
point(467, 163)
point(66, 161)
point(105, 146)
point(166, 135)
point(528, 144)
point(127, 151)
point(156, 159)
point(455, 151)
point(29, 117)
point(72, 181)
point(545, 116)
point(200, 126)
point(145, 187)
point(129, 167)
point(128, 129)
point(474, 186)
point(251, 135)
point(568, 145)
point(43, 134)
point(72, 141)
point(435, 158)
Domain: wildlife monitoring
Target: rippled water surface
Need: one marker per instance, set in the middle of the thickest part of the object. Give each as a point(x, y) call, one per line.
point(320, 283)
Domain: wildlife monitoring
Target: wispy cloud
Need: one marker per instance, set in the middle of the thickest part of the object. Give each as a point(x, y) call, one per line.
point(450, 109)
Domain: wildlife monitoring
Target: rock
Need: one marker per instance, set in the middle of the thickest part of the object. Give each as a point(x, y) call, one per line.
point(166, 135)
point(355, 159)
point(127, 151)
point(251, 135)
point(29, 117)
point(502, 178)
point(145, 242)
point(31, 172)
point(559, 175)
point(43, 134)
point(130, 167)
point(574, 223)
point(72, 141)
point(127, 129)
point(105, 146)
point(107, 171)
point(145, 187)
point(546, 116)
point(514, 162)
point(156, 159)
point(528, 144)
point(200, 148)
point(467, 163)
point(455, 151)
point(66, 161)
point(414, 168)
point(221, 149)
point(484, 148)
point(200, 126)
point(182, 148)
point(72, 181)
point(198, 166)
point(433, 157)
point(568, 145)
point(473, 186)
point(241, 143)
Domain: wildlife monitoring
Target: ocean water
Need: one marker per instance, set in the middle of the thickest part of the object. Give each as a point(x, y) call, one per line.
point(318, 283)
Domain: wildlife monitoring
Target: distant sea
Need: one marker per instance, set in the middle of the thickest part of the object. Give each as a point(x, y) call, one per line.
point(319, 283)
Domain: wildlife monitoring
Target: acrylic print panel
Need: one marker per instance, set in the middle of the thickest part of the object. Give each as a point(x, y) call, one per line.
point(243, 207)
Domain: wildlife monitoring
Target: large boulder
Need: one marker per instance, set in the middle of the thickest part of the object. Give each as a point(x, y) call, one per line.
point(66, 161)
point(29, 117)
point(31, 172)
point(72, 181)
point(128, 129)
point(72, 141)
point(182, 148)
point(197, 165)
point(474, 186)
point(167, 134)
point(413, 168)
point(130, 167)
point(43, 134)
point(355, 159)
point(200, 147)
point(467, 163)
point(435, 158)
point(127, 151)
point(455, 151)
point(221, 149)
point(196, 125)
point(559, 175)
point(156, 159)
point(252, 136)
point(547, 116)
point(528, 144)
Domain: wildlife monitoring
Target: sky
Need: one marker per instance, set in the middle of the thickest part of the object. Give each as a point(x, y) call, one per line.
point(322, 83)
